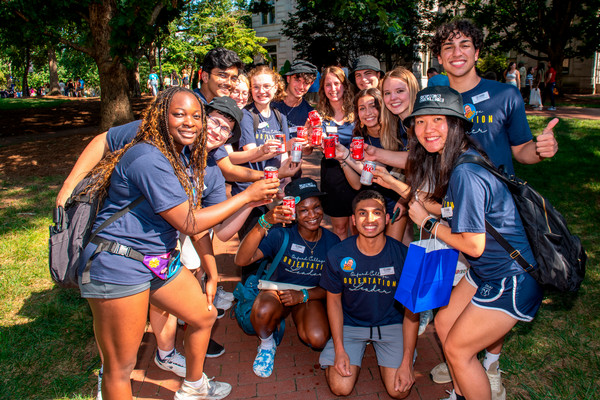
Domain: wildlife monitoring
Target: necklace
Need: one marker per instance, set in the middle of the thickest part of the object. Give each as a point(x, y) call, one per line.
point(312, 249)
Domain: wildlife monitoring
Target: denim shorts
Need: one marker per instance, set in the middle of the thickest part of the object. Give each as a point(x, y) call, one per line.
point(387, 342)
point(519, 296)
point(102, 290)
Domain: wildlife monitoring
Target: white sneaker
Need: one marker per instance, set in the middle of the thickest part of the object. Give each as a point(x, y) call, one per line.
point(211, 390)
point(221, 303)
point(174, 362)
point(224, 295)
point(452, 395)
point(441, 374)
point(424, 320)
point(495, 378)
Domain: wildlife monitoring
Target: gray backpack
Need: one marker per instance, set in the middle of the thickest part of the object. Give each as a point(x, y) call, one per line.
point(72, 231)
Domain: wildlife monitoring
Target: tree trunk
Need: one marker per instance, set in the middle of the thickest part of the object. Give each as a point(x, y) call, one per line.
point(53, 68)
point(115, 105)
point(25, 85)
point(133, 78)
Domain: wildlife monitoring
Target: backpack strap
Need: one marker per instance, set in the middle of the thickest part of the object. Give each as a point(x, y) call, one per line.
point(105, 245)
point(255, 118)
point(279, 256)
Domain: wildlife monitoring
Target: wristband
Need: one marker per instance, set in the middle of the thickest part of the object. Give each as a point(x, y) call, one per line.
point(347, 155)
point(263, 223)
point(305, 294)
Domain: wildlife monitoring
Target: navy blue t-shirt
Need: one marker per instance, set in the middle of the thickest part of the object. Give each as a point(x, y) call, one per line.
point(296, 116)
point(143, 170)
point(119, 136)
point(344, 131)
point(267, 129)
point(499, 121)
point(474, 195)
point(367, 283)
point(298, 265)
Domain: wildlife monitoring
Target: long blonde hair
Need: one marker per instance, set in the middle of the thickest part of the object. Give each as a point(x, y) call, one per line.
point(389, 122)
point(388, 142)
point(324, 107)
point(277, 80)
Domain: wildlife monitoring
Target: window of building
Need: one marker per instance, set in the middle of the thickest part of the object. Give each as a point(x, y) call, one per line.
point(272, 50)
point(565, 70)
point(268, 17)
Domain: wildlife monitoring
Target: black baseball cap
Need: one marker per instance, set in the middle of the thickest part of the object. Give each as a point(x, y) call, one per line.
point(302, 189)
point(227, 106)
point(302, 67)
point(439, 100)
point(365, 62)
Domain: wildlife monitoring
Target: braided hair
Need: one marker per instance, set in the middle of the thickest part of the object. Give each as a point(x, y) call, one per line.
point(154, 130)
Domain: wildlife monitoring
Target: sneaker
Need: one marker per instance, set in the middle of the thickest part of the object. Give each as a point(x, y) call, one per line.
point(220, 313)
point(495, 377)
point(551, 108)
point(211, 390)
point(224, 295)
point(425, 318)
point(99, 395)
point(441, 374)
point(222, 303)
point(214, 349)
point(452, 395)
point(174, 362)
point(263, 363)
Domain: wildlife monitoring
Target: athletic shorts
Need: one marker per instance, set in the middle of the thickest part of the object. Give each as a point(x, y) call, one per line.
point(387, 342)
point(519, 296)
point(101, 290)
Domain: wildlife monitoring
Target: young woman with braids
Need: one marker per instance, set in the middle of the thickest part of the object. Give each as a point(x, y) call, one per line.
point(164, 164)
point(336, 108)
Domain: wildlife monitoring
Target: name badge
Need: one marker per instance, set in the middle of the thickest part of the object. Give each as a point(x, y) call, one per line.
point(263, 125)
point(386, 271)
point(293, 129)
point(446, 212)
point(298, 248)
point(480, 97)
point(331, 129)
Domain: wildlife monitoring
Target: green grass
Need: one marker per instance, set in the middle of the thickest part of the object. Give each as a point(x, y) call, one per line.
point(47, 349)
point(577, 104)
point(34, 102)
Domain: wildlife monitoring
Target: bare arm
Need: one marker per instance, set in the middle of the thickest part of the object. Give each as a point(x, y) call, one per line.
point(534, 151)
point(253, 153)
point(89, 158)
point(395, 159)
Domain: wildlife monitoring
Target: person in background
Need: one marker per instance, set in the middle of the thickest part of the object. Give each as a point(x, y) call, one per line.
point(512, 75)
point(312, 96)
point(522, 73)
point(220, 71)
point(241, 93)
point(366, 72)
point(153, 83)
point(434, 78)
point(550, 86)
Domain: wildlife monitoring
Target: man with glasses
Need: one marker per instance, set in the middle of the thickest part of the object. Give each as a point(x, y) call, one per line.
point(219, 76)
point(301, 75)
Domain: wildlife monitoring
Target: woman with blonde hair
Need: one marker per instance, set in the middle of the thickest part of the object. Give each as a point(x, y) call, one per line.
point(337, 110)
point(241, 92)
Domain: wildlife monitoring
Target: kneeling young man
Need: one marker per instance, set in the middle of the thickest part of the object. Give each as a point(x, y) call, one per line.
point(360, 276)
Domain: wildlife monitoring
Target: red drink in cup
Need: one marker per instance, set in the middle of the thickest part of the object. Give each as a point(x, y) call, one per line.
point(358, 145)
point(335, 136)
point(271, 172)
point(314, 118)
point(281, 138)
point(366, 177)
point(301, 132)
point(317, 136)
point(290, 201)
point(329, 147)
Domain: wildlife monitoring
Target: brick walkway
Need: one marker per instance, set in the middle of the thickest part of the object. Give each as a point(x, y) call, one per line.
point(296, 375)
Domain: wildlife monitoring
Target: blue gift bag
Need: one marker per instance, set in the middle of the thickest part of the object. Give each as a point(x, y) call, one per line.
point(427, 275)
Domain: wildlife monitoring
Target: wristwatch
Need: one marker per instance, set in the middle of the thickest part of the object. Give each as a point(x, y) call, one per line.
point(430, 224)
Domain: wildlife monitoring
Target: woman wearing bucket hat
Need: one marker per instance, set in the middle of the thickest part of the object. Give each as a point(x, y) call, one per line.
point(366, 72)
point(496, 292)
point(301, 264)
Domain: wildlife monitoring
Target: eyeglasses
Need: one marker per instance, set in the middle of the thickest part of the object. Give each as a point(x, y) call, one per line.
point(265, 87)
point(222, 129)
point(224, 77)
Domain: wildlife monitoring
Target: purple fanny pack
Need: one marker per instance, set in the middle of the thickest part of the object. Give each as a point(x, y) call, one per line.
point(165, 265)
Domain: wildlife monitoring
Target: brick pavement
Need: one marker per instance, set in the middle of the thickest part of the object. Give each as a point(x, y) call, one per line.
point(296, 375)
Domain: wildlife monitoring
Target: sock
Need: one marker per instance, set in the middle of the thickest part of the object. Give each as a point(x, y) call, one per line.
point(197, 384)
point(460, 397)
point(163, 354)
point(267, 343)
point(489, 359)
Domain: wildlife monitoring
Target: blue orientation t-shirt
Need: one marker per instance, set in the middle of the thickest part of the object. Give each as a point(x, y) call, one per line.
point(118, 136)
point(143, 170)
point(499, 121)
point(296, 116)
point(267, 129)
point(474, 195)
point(344, 130)
point(299, 265)
point(367, 283)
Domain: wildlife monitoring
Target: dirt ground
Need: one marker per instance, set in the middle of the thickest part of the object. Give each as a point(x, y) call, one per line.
point(47, 141)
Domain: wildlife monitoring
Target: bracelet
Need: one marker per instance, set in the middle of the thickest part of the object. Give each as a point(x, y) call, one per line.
point(343, 164)
point(305, 294)
point(263, 223)
point(347, 155)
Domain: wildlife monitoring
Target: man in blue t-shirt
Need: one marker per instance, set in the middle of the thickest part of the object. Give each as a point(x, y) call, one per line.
point(360, 276)
point(500, 127)
point(434, 78)
point(153, 83)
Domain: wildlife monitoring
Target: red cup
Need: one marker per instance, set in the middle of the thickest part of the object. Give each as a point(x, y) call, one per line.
point(271, 172)
point(314, 118)
point(358, 145)
point(335, 136)
point(290, 201)
point(281, 138)
point(301, 132)
point(317, 136)
point(329, 147)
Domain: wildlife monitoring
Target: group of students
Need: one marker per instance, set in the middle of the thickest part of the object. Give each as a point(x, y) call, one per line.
point(188, 144)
